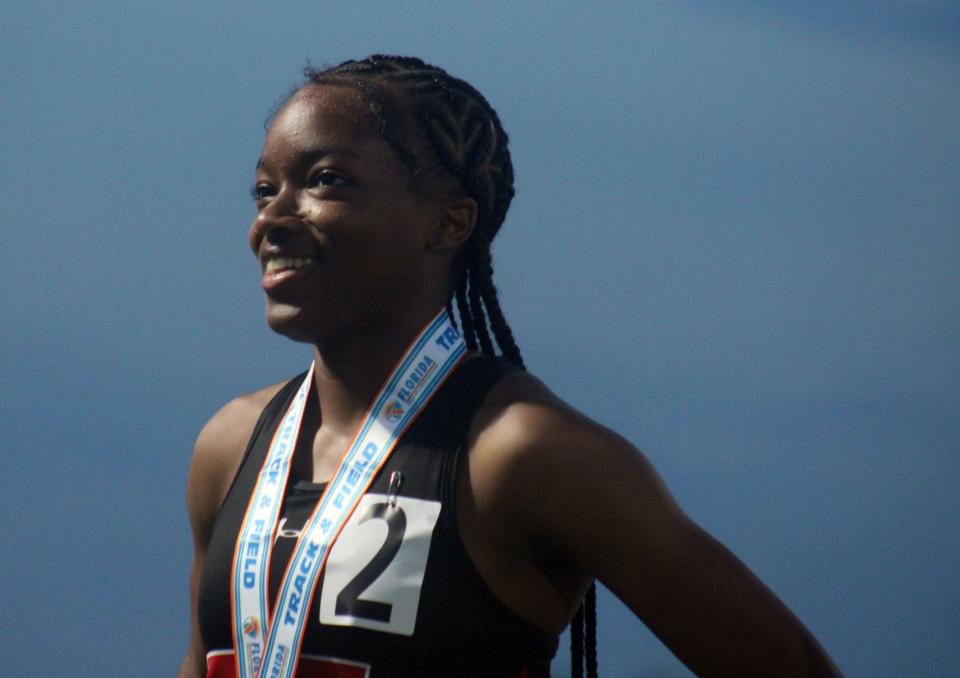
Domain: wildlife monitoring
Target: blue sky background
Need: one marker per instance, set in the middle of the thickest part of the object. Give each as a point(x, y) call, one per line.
point(735, 241)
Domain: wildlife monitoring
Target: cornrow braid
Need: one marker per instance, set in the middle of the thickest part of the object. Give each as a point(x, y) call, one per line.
point(414, 102)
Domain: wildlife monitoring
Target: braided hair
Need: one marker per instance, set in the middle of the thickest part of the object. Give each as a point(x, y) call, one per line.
point(447, 134)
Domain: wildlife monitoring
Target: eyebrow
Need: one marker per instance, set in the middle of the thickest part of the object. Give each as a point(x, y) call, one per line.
point(320, 152)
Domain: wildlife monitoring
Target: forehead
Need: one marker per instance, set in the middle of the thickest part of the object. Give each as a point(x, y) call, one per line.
point(322, 116)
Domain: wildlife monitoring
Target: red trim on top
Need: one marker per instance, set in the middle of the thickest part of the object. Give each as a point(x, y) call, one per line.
point(223, 666)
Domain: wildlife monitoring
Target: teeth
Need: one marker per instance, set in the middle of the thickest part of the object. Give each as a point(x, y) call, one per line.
point(281, 264)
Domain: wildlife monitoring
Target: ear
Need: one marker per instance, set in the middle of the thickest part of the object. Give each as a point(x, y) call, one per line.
point(455, 225)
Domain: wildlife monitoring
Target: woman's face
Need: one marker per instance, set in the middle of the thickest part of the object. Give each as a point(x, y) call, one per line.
point(341, 238)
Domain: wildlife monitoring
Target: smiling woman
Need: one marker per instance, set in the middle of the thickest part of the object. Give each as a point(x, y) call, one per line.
point(343, 240)
point(413, 504)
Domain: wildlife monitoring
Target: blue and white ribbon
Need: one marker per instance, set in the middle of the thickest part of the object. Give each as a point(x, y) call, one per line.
point(272, 652)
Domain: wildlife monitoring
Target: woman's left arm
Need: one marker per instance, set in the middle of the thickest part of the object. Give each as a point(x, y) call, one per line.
point(598, 502)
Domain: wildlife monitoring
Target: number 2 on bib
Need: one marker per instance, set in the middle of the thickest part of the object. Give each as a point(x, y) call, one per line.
point(374, 574)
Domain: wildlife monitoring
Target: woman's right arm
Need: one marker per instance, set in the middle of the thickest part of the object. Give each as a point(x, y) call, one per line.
point(216, 457)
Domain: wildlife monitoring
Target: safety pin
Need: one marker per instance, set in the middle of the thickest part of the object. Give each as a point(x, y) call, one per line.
point(396, 482)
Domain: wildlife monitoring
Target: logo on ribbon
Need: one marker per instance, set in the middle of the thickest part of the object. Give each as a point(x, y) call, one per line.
point(393, 410)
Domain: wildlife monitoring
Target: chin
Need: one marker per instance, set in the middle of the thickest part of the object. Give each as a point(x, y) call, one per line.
point(290, 322)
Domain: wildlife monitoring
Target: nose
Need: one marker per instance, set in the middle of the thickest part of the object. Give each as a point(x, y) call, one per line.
point(281, 213)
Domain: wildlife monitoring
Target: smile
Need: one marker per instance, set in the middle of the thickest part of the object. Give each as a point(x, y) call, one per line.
point(281, 264)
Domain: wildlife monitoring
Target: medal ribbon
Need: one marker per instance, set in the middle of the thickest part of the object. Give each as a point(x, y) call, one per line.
point(272, 652)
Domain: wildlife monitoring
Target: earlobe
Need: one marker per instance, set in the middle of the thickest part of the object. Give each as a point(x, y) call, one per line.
point(455, 226)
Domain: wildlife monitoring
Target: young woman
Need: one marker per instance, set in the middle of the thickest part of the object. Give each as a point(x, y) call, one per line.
point(412, 505)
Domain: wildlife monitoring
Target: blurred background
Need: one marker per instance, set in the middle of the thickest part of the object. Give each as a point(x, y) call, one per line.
point(735, 241)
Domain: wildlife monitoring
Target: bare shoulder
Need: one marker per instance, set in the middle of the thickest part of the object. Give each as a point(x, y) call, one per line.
point(522, 424)
point(540, 463)
point(218, 452)
point(216, 457)
point(521, 408)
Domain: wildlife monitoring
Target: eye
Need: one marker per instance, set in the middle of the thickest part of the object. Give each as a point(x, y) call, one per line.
point(261, 191)
point(326, 178)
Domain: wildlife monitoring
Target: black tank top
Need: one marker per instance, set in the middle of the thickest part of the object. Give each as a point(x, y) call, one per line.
point(399, 595)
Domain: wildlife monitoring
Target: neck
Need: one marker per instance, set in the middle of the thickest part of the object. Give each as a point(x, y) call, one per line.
point(350, 370)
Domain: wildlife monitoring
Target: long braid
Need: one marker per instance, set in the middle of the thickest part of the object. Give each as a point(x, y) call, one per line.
point(590, 631)
point(576, 644)
point(466, 319)
point(501, 330)
point(465, 141)
point(479, 317)
point(583, 636)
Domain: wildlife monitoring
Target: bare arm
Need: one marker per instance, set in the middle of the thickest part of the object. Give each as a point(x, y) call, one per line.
point(216, 458)
point(585, 496)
